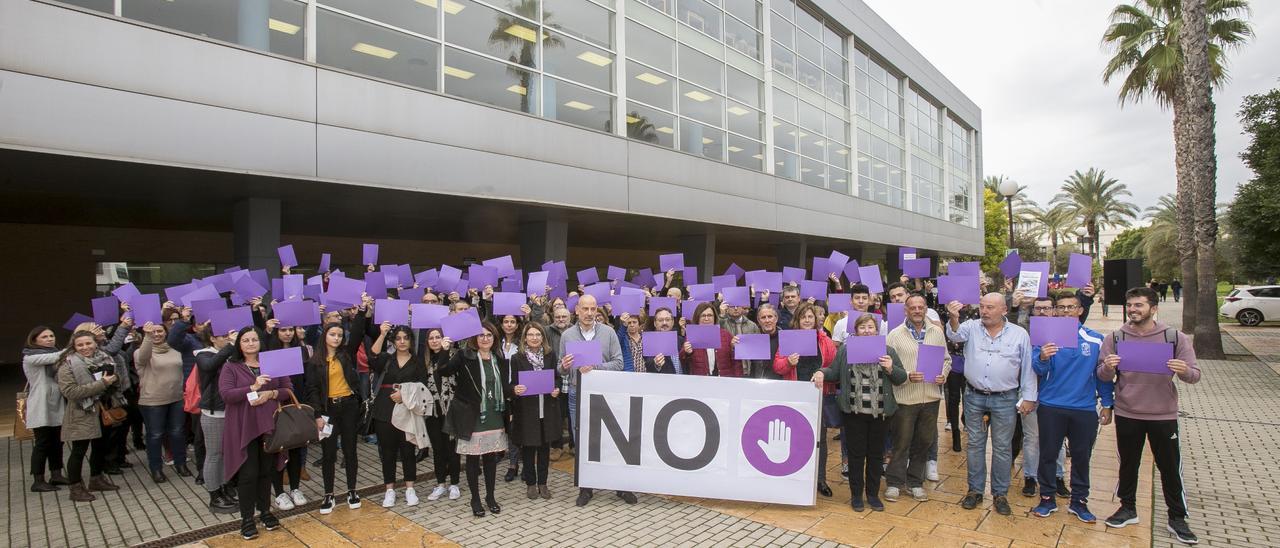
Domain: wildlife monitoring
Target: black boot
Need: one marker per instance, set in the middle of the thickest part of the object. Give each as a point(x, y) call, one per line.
point(219, 504)
point(477, 509)
point(39, 485)
point(56, 478)
point(229, 492)
point(248, 530)
point(955, 440)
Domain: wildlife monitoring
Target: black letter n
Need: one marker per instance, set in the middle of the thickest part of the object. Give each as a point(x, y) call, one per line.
point(628, 446)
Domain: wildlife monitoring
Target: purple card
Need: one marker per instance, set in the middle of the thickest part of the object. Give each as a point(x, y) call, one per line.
point(587, 276)
point(687, 308)
point(449, 277)
point(203, 310)
point(247, 289)
point(671, 261)
point(425, 316)
point(369, 254)
point(296, 313)
point(822, 268)
point(482, 276)
point(106, 310)
point(313, 291)
point(427, 278)
point(792, 275)
point(1034, 275)
point(126, 292)
point(970, 268)
point(736, 271)
point(175, 293)
point(668, 303)
point(905, 254)
point(542, 381)
point(691, 275)
point(538, 282)
point(896, 314)
point(412, 294)
point(814, 289)
point(752, 347)
point(703, 336)
point(505, 304)
point(658, 342)
point(345, 291)
point(867, 349)
point(1079, 270)
point(390, 275)
point(375, 284)
point(702, 292)
point(325, 258)
point(395, 311)
point(644, 278)
point(852, 272)
point(1139, 357)
point(916, 268)
point(958, 287)
point(200, 294)
point(798, 341)
point(232, 319)
point(930, 361)
point(277, 289)
point(503, 265)
point(287, 258)
point(222, 282)
point(281, 363)
point(626, 303)
point(839, 302)
point(146, 308)
point(75, 320)
point(722, 281)
point(461, 325)
point(1011, 265)
point(737, 296)
point(616, 273)
point(870, 276)
point(584, 353)
point(1059, 331)
point(601, 291)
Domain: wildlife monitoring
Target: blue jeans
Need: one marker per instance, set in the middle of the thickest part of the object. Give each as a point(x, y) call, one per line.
point(1080, 427)
point(1003, 412)
point(1031, 448)
point(165, 421)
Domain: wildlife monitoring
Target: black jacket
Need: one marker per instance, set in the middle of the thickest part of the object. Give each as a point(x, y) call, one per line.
point(465, 366)
point(317, 371)
point(527, 430)
point(209, 367)
point(415, 370)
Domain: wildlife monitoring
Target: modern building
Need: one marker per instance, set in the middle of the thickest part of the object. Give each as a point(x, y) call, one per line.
point(157, 140)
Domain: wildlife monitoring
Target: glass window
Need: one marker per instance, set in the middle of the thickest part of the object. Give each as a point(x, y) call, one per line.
point(499, 84)
point(496, 33)
point(272, 25)
point(835, 90)
point(783, 31)
point(374, 50)
point(105, 6)
point(745, 152)
point(412, 15)
point(739, 36)
point(834, 64)
point(524, 8)
point(813, 145)
point(810, 75)
point(833, 39)
point(700, 15)
point(813, 172)
point(743, 120)
point(579, 18)
point(784, 135)
point(839, 180)
point(809, 47)
point(701, 69)
point(650, 86)
point(784, 105)
point(837, 154)
point(811, 117)
point(746, 10)
point(701, 140)
point(701, 104)
point(808, 22)
point(577, 61)
point(786, 164)
point(650, 46)
point(785, 7)
point(577, 105)
point(784, 62)
point(837, 128)
point(745, 88)
point(663, 6)
point(650, 125)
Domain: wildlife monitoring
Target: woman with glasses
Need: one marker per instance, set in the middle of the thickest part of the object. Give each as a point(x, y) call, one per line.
point(483, 391)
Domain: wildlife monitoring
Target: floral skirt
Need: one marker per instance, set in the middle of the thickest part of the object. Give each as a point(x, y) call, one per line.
point(483, 443)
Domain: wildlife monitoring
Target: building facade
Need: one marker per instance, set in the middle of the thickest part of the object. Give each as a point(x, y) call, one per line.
point(167, 138)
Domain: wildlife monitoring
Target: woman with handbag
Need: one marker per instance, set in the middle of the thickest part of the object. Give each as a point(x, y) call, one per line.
point(86, 378)
point(399, 366)
point(537, 417)
point(160, 399)
point(210, 360)
point(251, 400)
point(42, 408)
point(444, 447)
point(479, 410)
point(278, 338)
point(332, 382)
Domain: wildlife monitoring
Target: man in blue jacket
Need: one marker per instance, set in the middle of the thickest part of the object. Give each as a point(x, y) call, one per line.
point(1069, 394)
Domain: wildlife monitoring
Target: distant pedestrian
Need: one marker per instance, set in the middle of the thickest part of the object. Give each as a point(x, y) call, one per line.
point(1176, 286)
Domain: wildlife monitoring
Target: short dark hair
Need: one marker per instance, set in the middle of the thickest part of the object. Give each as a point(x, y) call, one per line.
point(915, 294)
point(1064, 296)
point(1144, 292)
point(894, 286)
point(1050, 299)
point(859, 289)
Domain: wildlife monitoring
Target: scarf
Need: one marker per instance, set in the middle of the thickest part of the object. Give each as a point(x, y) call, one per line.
point(637, 354)
point(80, 370)
point(38, 350)
point(870, 401)
point(535, 359)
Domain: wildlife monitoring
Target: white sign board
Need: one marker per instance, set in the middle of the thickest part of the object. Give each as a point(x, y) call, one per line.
point(711, 437)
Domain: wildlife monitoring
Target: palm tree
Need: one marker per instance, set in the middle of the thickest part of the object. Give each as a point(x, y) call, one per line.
point(1162, 233)
point(1096, 202)
point(1145, 39)
point(1057, 223)
point(504, 35)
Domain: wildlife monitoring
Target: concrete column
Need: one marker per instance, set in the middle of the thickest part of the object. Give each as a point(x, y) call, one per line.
point(700, 251)
point(792, 254)
point(256, 233)
point(542, 241)
point(252, 24)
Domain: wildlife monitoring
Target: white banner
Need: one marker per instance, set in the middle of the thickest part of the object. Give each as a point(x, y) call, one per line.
point(736, 439)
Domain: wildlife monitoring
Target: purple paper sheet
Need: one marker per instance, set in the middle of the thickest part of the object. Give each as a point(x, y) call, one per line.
point(687, 308)
point(703, 336)
point(627, 303)
point(203, 310)
point(644, 278)
point(917, 268)
point(702, 292)
point(296, 313)
point(1043, 269)
point(232, 319)
point(814, 289)
point(958, 287)
point(345, 291)
point(390, 275)
point(822, 268)
point(503, 265)
point(852, 272)
point(395, 311)
point(895, 313)
point(1011, 265)
point(537, 282)
point(508, 304)
point(1079, 270)
point(601, 291)
point(587, 276)
point(668, 303)
point(736, 271)
point(75, 320)
point(481, 276)
point(792, 275)
point(691, 275)
point(1139, 357)
point(930, 361)
point(146, 308)
point(838, 261)
point(423, 316)
point(798, 341)
point(281, 363)
point(287, 257)
point(369, 254)
point(325, 259)
point(970, 268)
point(659, 342)
point(737, 296)
point(461, 325)
point(839, 302)
point(247, 289)
point(542, 381)
point(412, 294)
point(126, 292)
point(616, 273)
point(106, 310)
point(584, 353)
point(175, 293)
point(866, 349)
point(1059, 331)
point(765, 281)
point(905, 253)
point(722, 281)
point(752, 347)
point(200, 294)
point(375, 284)
point(870, 276)
point(671, 261)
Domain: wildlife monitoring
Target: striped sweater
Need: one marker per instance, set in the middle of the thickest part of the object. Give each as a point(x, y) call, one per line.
point(902, 342)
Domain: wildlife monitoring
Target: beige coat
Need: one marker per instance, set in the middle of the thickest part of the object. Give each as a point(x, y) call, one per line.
point(78, 423)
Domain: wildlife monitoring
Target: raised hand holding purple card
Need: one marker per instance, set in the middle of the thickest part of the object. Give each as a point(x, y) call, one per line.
point(1059, 331)
point(585, 353)
point(752, 347)
point(866, 349)
point(798, 341)
point(659, 342)
point(542, 381)
point(930, 361)
point(281, 363)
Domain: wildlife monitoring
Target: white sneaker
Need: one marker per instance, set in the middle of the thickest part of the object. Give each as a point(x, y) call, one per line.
point(931, 468)
point(389, 499)
point(298, 498)
point(919, 494)
point(947, 427)
point(891, 494)
point(454, 492)
point(283, 502)
point(410, 497)
point(436, 493)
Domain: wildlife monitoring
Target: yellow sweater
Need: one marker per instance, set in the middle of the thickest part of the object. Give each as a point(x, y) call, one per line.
point(900, 339)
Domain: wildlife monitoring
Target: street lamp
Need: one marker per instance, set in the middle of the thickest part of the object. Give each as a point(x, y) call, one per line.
point(1080, 233)
point(1008, 188)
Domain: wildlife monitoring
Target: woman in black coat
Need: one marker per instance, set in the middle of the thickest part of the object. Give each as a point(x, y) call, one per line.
point(537, 417)
point(341, 403)
point(478, 414)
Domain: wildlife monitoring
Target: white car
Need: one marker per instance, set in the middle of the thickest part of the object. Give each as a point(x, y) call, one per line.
point(1252, 305)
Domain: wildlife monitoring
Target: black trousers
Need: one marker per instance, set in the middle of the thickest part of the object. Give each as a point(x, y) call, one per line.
point(954, 393)
point(97, 458)
point(490, 462)
point(254, 479)
point(444, 452)
point(536, 462)
point(292, 467)
point(115, 440)
point(193, 423)
point(864, 441)
point(1131, 436)
point(1080, 427)
point(344, 416)
point(392, 446)
point(46, 449)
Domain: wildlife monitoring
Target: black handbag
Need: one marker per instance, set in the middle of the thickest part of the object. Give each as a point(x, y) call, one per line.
point(460, 421)
point(295, 426)
point(365, 426)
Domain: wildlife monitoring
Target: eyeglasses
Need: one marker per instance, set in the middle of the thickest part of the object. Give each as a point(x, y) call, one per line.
point(1042, 308)
point(485, 336)
point(1068, 307)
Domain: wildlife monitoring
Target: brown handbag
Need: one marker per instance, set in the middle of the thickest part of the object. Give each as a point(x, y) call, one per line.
point(112, 416)
point(295, 426)
point(20, 430)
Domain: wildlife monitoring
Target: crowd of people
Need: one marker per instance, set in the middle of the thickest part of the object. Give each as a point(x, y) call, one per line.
point(177, 383)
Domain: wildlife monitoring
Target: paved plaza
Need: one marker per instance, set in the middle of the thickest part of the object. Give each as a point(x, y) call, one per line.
point(1230, 428)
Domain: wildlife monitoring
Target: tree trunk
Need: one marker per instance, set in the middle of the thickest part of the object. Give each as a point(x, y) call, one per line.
point(1186, 242)
point(1201, 161)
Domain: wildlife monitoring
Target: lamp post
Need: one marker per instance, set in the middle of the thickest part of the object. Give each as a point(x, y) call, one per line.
point(1081, 234)
point(1009, 188)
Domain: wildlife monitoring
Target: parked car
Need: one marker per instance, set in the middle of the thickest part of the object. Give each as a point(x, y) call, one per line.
point(1252, 305)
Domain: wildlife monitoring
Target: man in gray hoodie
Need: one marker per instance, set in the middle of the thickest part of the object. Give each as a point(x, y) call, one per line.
point(1146, 408)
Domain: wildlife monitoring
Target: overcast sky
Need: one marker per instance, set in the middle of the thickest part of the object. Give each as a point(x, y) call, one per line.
point(1034, 68)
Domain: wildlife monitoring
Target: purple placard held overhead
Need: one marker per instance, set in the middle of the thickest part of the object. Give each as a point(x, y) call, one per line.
point(1059, 331)
point(75, 320)
point(916, 268)
point(671, 261)
point(687, 308)
point(929, 361)
point(296, 313)
point(510, 285)
point(761, 281)
point(313, 291)
point(375, 284)
point(957, 287)
point(616, 273)
point(792, 275)
point(126, 292)
point(703, 336)
point(503, 265)
point(508, 304)
point(752, 347)
point(461, 325)
point(1034, 276)
point(247, 289)
point(970, 268)
point(232, 319)
point(722, 281)
point(1079, 270)
point(106, 310)
point(600, 291)
point(691, 275)
point(481, 276)
point(369, 254)
point(427, 278)
point(822, 268)
point(870, 276)
point(325, 258)
point(852, 273)
point(838, 261)
point(658, 342)
point(221, 282)
point(412, 294)
point(584, 353)
point(866, 349)
point(146, 308)
point(813, 289)
point(395, 311)
point(737, 296)
point(839, 302)
point(542, 381)
point(587, 276)
point(345, 291)
point(175, 293)
point(895, 314)
point(1140, 357)
point(702, 292)
point(644, 278)
point(203, 310)
point(449, 277)
point(736, 271)
point(906, 254)
point(425, 316)
point(200, 294)
point(281, 363)
point(389, 275)
point(668, 303)
point(287, 257)
point(537, 282)
point(798, 341)
point(626, 303)
point(1011, 265)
